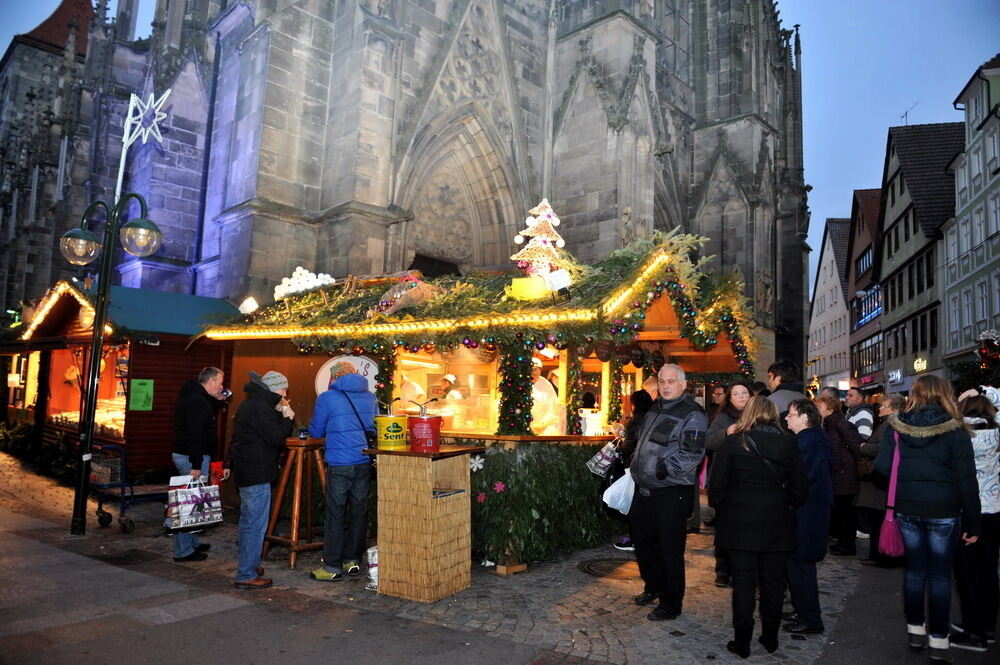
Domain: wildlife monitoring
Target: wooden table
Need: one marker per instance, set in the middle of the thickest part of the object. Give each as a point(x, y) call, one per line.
point(305, 457)
point(424, 522)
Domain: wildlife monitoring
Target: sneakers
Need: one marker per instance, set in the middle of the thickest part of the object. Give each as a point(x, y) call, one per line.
point(968, 641)
point(722, 581)
point(194, 556)
point(625, 545)
point(938, 650)
point(321, 574)
point(352, 568)
point(991, 636)
point(916, 636)
point(861, 535)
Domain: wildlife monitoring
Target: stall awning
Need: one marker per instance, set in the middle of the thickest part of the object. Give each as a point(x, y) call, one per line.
point(66, 309)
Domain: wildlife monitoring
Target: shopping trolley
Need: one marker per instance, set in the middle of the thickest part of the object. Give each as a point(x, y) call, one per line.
point(109, 479)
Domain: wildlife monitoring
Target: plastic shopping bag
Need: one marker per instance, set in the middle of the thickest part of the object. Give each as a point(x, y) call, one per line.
point(619, 494)
point(192, 504)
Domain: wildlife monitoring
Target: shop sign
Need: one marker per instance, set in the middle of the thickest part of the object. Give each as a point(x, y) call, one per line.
point(140, 395)
point(895, 376)
point(362, 365)
point(919, 364)
point(867, 379)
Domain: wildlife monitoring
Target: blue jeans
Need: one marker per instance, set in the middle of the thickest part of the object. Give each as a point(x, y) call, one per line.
point(346, 510)
point(255, 502)
point(185, 543)
point(930, 548)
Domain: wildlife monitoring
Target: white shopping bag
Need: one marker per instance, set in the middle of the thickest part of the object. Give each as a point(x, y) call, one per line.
point(192, 504)
point(619, 493)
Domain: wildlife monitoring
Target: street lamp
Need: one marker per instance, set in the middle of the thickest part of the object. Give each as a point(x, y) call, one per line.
point(140, 237)
point(79, 246)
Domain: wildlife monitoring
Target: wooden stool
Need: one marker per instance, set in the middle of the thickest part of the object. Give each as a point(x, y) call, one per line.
point(304, 456)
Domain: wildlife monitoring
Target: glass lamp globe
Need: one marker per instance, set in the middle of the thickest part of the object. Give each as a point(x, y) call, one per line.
point(141, 237)
point(79, 246)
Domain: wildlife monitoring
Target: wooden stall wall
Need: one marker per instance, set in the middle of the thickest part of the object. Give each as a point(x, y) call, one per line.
point(281, 356)
point(149, 434)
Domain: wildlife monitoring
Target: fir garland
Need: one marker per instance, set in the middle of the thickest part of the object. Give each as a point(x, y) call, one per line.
point(617, 374)
point(574, 393)
point(515, 391)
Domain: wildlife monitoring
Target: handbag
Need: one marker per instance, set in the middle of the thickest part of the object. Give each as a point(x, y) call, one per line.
point(890, 539)
point(192, 504)
point(605, 458)
point(619, 494)
point(371, 437)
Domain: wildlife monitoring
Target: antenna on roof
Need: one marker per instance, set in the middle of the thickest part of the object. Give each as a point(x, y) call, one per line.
point(905, 115)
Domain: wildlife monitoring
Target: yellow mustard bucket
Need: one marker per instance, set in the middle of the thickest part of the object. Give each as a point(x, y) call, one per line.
point(391, 431)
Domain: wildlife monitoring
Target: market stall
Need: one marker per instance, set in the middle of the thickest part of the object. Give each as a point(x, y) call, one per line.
point(534, 365)
point(143, 365)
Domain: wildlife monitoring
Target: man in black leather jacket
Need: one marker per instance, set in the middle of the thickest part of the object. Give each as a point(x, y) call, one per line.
point(664, 468)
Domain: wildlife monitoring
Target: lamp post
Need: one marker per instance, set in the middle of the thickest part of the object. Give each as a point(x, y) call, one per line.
point(140, 237)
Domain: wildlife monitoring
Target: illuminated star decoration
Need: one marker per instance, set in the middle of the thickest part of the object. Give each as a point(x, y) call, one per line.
point(143, 119)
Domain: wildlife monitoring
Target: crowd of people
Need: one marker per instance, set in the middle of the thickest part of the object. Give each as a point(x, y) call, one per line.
point(793, 479)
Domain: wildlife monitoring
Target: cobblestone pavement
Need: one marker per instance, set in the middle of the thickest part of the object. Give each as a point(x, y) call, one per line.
point(572, 616)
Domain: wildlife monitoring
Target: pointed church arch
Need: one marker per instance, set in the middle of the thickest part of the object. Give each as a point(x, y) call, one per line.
point(461, 190)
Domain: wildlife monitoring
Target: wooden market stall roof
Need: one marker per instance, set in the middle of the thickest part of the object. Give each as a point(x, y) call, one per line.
point(609, 299)
point(130, 310)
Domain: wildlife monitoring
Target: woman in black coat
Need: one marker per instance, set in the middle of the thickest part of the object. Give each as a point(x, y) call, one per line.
point(845, 444)
point(757, 483)
point(812, 520)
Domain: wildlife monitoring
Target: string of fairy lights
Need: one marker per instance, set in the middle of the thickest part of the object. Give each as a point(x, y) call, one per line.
point(516, 336)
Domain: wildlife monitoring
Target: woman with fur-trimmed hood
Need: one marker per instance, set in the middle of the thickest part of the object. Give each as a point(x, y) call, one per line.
point(937, 505)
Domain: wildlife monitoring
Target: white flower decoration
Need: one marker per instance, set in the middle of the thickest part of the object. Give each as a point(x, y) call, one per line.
point(476, 463)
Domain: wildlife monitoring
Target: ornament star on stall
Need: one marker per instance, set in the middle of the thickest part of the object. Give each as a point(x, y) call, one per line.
point(144, 118)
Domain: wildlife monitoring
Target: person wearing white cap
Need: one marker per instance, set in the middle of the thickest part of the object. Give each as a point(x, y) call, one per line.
point(260, 427)
point(547, 412)
point(448, 388)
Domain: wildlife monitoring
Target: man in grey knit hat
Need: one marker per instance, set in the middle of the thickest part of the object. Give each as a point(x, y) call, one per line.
point(260, 427)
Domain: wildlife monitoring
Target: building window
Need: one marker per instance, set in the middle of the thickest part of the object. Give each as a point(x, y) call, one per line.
point(934, 328)
point(978, 228)
point(967, 314)
point(864, 262)
point(964, 237)
point(994, 215)
point(952, 249)
point(920, 274)
point(892, 194)
point(929, 261)
point(954, 315)
point(909, 281)
point(984, 301)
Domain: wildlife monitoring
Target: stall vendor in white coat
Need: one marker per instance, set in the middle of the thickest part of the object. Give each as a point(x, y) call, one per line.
point(548, 415)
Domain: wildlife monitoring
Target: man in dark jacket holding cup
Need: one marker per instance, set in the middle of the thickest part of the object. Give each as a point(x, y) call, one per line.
point(665, 468)
point(261, 425)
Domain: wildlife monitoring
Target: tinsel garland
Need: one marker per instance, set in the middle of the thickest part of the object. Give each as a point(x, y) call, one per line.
point(617, 374)
point(574, 393)
point(515, 392)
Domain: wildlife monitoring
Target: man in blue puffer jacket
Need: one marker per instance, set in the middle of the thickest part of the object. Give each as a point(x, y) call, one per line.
point(341, 416)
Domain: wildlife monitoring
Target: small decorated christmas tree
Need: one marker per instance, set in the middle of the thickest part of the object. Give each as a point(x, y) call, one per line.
point(540, 255)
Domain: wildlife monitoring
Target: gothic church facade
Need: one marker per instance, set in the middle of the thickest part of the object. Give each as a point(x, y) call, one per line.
point(368, 136)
